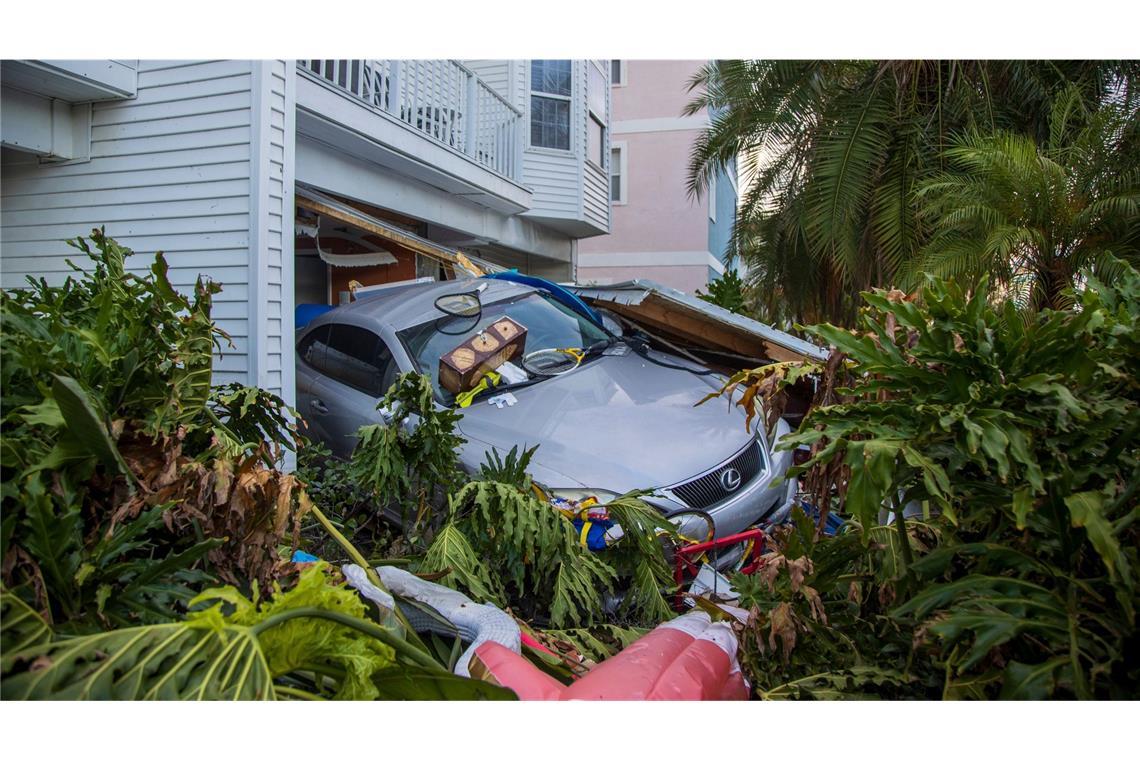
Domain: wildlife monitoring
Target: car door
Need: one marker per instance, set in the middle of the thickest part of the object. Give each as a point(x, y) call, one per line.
point(357, 369)
point(310, 364)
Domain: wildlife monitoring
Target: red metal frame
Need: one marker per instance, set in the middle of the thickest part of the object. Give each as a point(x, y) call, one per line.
point(683, 558)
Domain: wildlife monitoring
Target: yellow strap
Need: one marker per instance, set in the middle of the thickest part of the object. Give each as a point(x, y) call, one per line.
point(464, 399)
point(584, 534)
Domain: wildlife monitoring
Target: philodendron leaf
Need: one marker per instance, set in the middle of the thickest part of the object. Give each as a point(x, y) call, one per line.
point(1085, 510)
point(85, 423)
point(1030, 681)
point(44, 413)
point(200, 659)
point(411, 682)
point(1022, 504)
point(20, 625)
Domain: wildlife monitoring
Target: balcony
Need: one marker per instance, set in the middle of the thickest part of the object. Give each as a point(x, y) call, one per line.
point(432, 119)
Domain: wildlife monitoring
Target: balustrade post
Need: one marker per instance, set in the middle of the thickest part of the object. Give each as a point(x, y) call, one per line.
point(395, 83)
point(471, 118)
point(518, 138)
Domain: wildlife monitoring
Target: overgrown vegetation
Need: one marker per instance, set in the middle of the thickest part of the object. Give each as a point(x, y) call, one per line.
point(127, 480)
point(1017, 438)
point(130, 488)
point(503, 543)
point(313, 641)
point(727, 292)
point(985, 459)
point(413, 467)
point(330, 484)
point(837, 152)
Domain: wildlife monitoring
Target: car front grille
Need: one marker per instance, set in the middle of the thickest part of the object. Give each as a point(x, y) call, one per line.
point(708, 489)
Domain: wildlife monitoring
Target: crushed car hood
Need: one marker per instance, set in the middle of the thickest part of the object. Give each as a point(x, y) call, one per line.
point(617, 423)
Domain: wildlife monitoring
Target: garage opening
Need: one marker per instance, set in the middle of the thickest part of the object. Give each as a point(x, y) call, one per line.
point(343, 246)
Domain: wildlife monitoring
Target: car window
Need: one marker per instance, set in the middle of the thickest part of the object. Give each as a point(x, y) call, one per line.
point(359, 358)
point(311, 349)
point(549, 324)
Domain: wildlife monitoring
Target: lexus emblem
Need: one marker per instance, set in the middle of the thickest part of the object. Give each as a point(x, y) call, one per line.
point(730, 479)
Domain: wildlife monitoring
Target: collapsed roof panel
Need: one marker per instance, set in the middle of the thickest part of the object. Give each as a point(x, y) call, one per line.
point(697, 321)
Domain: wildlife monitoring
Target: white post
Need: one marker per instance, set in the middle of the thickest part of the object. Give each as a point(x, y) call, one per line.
point(471, 118)
point(394, 84)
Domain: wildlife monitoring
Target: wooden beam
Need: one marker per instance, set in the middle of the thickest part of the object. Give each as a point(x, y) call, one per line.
point(699, 329)
point(412, 242)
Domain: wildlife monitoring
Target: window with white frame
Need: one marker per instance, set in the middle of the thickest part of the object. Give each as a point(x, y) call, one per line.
point(596, 93)
point(596, 142)
point(619, 171)
point(617, 73)
point(550, 89)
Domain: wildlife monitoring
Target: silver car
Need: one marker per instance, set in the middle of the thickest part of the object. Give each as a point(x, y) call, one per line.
point(617, 417)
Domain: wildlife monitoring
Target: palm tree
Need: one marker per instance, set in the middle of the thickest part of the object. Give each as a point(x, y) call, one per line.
point(1032, 215)
point(836, 149)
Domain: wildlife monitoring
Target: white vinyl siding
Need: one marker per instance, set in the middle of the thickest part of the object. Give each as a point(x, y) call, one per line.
point(565, 185)
point(495, 73)
point(595, 175)
point(555, 182)
point(271, 249)
point(187, 168)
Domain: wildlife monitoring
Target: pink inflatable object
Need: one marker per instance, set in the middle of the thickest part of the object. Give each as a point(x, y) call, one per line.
point(689, 658)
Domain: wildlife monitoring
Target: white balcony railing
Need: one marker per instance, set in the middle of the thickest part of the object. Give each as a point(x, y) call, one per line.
point(441, 98)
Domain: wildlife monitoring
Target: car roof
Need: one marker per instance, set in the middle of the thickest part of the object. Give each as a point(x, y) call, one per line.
point(406, 305)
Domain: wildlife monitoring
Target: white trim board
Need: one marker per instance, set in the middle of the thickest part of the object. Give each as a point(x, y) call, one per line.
point(663, 124)
point(651, 259)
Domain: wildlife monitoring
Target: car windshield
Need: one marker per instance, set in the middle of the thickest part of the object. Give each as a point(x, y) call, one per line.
point(549, 324)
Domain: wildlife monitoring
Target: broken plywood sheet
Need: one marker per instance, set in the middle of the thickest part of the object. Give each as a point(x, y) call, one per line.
point(697, 321)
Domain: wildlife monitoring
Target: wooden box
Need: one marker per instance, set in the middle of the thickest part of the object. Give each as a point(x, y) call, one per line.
point(461, 368)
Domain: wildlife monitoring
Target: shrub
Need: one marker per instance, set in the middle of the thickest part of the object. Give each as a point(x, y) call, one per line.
point(125, 478)
point(411, 466)
point(1018, 437)
point(502, 543)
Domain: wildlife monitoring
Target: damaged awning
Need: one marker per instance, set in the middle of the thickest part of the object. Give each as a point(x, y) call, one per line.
point(314, 200)
point(695, 321)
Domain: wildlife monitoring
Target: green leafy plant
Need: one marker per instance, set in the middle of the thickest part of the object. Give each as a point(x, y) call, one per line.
point(126, 480)
point(330, 484)
point(837, 150)
point(1017, 438)
point(503, 544)
point(819, 623)
point(1031, 214)
point(413, 466)
point(727, 292)
point(510, 469)
point(310, 642)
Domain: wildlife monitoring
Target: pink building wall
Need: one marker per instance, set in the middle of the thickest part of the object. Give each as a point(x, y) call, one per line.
point(659, 232)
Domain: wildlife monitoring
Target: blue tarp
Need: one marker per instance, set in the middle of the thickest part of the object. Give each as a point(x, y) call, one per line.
point(307, 312)
point(560, 294)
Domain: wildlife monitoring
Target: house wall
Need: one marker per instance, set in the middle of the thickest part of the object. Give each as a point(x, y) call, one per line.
point(596, 178)
point(658, 231)
point(720, 231)
point(569, 192)
point(197, 165)
point(497, 74)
